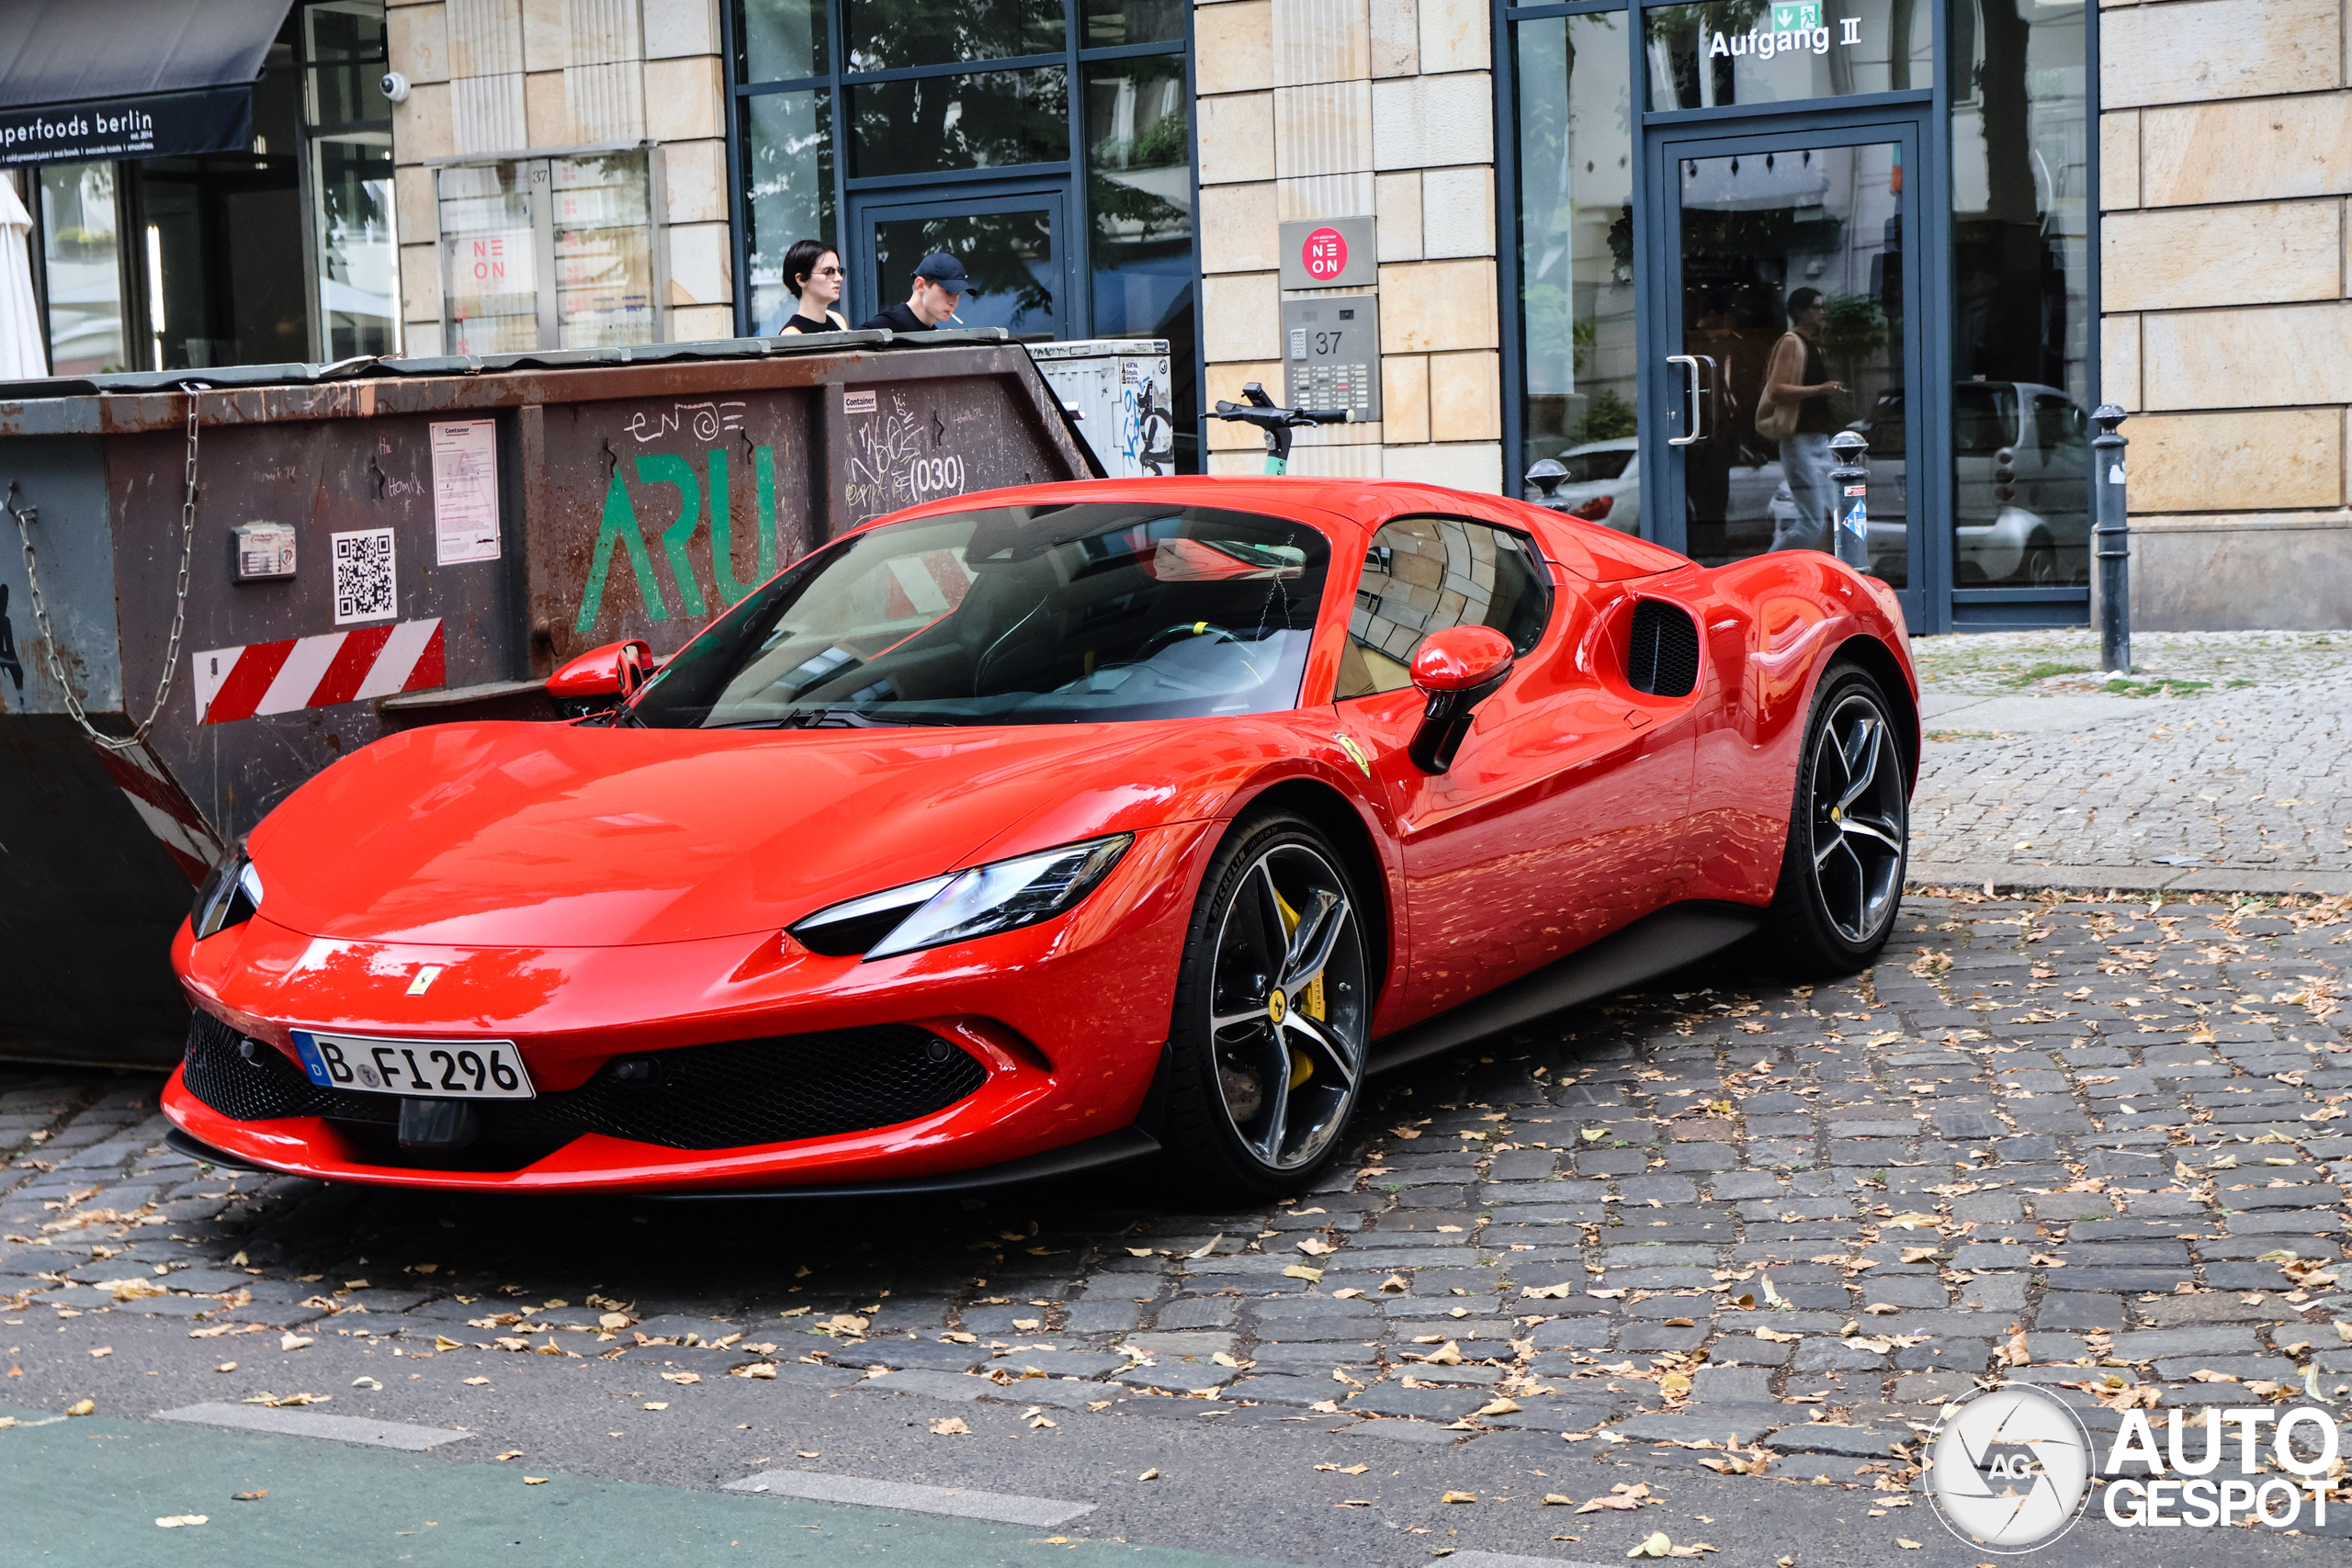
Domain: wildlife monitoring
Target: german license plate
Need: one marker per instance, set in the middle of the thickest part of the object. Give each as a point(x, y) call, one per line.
point(443, 1069)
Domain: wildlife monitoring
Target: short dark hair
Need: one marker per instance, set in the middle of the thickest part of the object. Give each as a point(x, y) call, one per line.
point(1803, 300)
point(800, 261)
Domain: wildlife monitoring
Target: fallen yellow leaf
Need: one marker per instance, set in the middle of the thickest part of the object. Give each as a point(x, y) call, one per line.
point(1459, 1497)
point(534, 1480)
point(950, 1426)
point(477, 1382)
point(1906, 1545)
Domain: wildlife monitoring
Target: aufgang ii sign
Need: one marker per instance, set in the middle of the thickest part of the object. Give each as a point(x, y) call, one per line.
point(1796, 28)
point(218, 120)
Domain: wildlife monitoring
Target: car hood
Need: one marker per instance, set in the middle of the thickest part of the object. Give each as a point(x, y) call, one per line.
point(553, 835)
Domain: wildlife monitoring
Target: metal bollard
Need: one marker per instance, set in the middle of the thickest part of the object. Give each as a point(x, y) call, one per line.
point(1850, 518)
point(1547, 475)
point(2111, 535)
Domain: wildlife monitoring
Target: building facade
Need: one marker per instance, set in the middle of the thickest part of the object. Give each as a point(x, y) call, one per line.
point(1551, 249)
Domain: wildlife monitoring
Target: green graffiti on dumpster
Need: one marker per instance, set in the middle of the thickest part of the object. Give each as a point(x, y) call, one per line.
point(620, 525)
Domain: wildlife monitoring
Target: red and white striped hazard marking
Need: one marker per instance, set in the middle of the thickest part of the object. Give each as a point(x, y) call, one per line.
point(318, 671)
point(930, 583)
point(164, 806)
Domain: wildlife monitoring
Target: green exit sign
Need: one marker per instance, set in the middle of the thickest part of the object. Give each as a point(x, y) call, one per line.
point(1795, 16)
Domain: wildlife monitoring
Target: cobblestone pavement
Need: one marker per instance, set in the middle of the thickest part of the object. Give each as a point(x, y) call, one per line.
point(2181, 663)
point(2094, 1146)
point(2244, 781)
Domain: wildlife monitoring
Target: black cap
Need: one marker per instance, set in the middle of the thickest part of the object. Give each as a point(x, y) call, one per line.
point(945, 270)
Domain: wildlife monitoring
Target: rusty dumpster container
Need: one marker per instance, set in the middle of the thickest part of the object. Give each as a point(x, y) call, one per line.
point(383, 544)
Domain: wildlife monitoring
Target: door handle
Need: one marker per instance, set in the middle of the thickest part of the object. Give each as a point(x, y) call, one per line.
point(1690, 363)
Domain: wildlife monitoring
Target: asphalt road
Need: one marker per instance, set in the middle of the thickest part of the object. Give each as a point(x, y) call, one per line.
point(2064, 1144)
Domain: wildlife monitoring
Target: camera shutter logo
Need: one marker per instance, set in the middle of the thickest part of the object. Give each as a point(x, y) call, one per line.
point(2010, 1471)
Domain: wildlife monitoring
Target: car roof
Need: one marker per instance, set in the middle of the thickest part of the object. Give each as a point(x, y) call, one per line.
point(1350, 510)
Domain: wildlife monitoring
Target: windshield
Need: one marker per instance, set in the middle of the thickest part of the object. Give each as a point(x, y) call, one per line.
point(1012, 615)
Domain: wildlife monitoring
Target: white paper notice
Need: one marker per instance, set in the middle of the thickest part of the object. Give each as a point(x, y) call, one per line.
point(465, 492)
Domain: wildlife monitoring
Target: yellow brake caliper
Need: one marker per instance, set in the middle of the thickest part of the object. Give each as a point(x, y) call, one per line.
point(1301, 1070)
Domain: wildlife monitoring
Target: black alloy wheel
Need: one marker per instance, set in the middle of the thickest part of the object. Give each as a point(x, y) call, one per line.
point(1268, 1038)
point(1850, 832)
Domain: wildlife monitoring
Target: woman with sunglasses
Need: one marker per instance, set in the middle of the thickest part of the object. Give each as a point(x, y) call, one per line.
point(812, 270)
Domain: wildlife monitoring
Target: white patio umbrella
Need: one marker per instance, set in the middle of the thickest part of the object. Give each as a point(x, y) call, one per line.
point(21, 354)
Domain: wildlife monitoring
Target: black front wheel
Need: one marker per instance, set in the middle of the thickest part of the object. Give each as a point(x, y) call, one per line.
point(1849, 833)
point(1268, 1035)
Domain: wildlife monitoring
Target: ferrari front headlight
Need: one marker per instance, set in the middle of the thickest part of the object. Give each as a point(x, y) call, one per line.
point(230, 895)
point(999, 896)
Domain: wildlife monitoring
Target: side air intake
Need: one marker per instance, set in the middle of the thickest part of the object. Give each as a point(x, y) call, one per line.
point(1664, 658)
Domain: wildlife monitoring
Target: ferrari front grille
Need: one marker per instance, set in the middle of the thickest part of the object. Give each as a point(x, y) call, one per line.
point(768, 1091)
point(267, 1085)
point(732, 1095)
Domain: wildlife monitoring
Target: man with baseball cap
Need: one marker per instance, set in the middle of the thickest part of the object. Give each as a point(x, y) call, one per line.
point(940, 281)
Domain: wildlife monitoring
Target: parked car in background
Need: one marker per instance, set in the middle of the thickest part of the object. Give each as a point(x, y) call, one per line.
point(1603, 484)
point(2022, 451)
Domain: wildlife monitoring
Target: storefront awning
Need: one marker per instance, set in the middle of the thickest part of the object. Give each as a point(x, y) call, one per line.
point(86, 79)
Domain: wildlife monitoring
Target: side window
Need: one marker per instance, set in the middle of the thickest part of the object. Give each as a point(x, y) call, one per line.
point(2059, 426)
point(1424, 574)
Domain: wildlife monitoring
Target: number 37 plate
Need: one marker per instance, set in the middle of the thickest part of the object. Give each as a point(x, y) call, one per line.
point(444, 1069)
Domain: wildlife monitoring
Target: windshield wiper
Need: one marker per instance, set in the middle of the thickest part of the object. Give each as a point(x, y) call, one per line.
point(822, 718)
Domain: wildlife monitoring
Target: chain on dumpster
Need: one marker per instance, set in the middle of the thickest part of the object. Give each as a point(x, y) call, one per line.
point(25, 515)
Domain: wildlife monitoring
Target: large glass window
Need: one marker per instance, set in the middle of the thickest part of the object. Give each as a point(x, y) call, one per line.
point(2021, 267)
point(490, 258)
point(885, 34)
point(986, 120)
point(1742, 51)
point(350, 127)
point(885, 128)
point(1575, 247)
point(84, 265)
point(780, 40)
point(1139, 170)
point(788, 168)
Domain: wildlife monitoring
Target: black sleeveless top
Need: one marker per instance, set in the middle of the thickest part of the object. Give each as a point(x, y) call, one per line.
point(1814, 416)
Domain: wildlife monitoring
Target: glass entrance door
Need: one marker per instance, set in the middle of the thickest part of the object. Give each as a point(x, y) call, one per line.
point(1014, 246)
point(1787, 320)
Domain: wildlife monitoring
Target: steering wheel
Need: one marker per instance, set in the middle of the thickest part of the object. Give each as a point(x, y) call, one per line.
point(1152, 644)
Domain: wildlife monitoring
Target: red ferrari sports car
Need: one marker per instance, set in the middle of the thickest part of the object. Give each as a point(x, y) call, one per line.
point(1029, 831)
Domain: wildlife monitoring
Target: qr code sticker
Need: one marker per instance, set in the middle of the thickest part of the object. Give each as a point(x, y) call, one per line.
point(363, 577)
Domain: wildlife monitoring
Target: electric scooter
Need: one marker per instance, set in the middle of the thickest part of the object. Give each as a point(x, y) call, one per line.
point(1277, 423)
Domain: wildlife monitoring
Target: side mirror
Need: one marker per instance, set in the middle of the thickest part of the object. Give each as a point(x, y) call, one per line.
point(1456, 670)
point(602, 678)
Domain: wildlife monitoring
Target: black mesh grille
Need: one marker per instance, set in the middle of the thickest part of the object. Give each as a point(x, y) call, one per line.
point(770, 1091)
point(733, 1095)
point(1664, 659)
point(269, 1085)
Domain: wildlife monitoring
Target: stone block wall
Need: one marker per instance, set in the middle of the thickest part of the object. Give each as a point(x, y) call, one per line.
point(2225, 155)
point(1331, 108)
point(515, 77)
